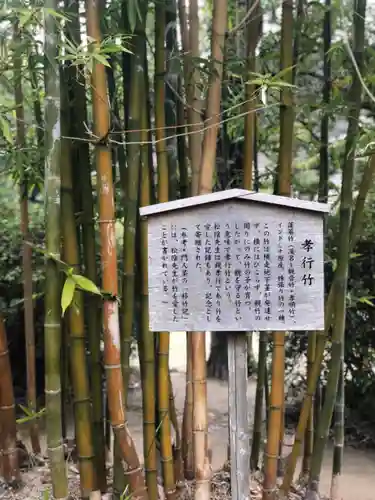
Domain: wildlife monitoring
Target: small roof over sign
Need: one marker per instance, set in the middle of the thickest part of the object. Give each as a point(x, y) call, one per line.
point(234, 194)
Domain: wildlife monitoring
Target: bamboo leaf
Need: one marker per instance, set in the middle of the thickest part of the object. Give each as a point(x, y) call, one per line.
point(367, 300)
point(86, 284)
point(67, 294)
point(101, 59)
point(26, 411)
point(5, 128)
point(132, 14)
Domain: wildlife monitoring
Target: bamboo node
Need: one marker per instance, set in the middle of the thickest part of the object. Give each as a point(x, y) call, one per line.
point(166, 460)
point(85, 458)
point(52, 392)
point(7, 407)
point(269, 490)
point(112, 367)
point(9, 451)
point(4, 353)
point(52, 325)
point(271, 455)
point(84, 400)
point(146, 469)
point(199, 381)
point(106, 221)
point(128, 472)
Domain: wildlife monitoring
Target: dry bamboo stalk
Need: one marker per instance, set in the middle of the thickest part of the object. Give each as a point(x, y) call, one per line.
point(8, 429)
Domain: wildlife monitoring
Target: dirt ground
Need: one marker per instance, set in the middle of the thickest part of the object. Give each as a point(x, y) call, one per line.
point(358, 481)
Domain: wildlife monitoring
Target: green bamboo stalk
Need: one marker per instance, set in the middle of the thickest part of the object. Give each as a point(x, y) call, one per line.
point(160, 68)
point(258, 412)
point(181, 148)
point(52, 322)
point(338, 332)
point(171, 91)
point(339, 432)
point(324, 160)
point(83, 183)
point(163, 194)
point(131, 191)
point(194, 154)
point(147, 339)
point(80, 380)
point(309, 434)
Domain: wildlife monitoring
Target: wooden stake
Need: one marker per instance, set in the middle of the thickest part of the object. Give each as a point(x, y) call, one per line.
point(239, 435)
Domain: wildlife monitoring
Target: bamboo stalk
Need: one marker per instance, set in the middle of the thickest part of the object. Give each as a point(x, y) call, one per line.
point(194, 153)
point(80, 380)
point(26, 248)
point(219, 27)
point(83, 183)
point(275, 435)
point(163, 193)
point(252, 39)
point(165, 424)
point(181, 148)
point(52, 322)
point(309, 433)
point(198, 354)
point(161, 145)
point(147, 339)
point(171, 90)
point(131, 191)
point(193, 94)
point(112, 346)
point(8, 431)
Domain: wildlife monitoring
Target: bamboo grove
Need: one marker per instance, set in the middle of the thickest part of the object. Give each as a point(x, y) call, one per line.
point(115, 105)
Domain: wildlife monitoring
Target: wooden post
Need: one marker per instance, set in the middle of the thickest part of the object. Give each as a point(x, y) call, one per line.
point(239, 435)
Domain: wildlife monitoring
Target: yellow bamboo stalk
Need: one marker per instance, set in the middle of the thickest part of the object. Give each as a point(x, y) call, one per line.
point(275, 435)
point(112, 355)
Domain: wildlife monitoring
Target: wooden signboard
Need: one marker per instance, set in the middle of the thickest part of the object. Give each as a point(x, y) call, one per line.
point(236, 261)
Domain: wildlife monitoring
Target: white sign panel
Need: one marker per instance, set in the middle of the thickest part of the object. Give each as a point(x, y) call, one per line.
point(236, 266)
